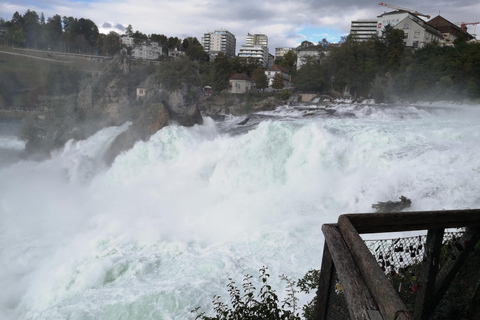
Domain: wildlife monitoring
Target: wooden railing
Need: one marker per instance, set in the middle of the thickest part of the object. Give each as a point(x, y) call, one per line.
point(369, 294)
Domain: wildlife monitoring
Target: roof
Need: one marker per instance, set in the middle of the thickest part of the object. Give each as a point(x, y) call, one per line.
point(393, 12)
point(446, 26)
point(276, 67)
point(240, 76)
point(424, 25)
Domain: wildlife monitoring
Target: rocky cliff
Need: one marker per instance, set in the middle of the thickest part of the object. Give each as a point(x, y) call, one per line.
point(110, 99)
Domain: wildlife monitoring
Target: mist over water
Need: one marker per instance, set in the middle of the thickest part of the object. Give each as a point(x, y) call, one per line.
point(160, 231)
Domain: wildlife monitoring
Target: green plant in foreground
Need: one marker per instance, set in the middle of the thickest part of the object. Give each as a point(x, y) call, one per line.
point(265, 304)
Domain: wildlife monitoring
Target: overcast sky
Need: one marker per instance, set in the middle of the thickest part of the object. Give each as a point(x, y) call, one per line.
point(285, 22)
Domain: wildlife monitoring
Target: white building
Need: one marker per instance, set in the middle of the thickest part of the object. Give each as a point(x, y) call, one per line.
point(310, 53)
point(276, 69)
point(149, 50)
point(257, 39)
point(128, 41)
point(280, 52)
point(257, 52)
point(219, 41)
point(417, 33)
point(240, 83)
point(362, 30)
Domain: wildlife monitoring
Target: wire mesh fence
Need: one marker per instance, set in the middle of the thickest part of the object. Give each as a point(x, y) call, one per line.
point(401, 260)
point(337, 305)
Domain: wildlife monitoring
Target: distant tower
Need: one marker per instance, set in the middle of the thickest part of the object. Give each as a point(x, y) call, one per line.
point(219, 41)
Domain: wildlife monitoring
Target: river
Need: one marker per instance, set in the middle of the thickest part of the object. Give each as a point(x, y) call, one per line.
point(160, 231)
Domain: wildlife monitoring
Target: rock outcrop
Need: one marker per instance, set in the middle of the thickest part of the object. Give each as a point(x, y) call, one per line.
point(111, 100)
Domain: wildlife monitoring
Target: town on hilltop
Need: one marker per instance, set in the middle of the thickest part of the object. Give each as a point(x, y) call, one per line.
point(373, 61)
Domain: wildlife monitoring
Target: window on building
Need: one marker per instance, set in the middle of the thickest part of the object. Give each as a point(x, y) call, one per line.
point(417, 34)
point(405, 35)
point(415, 44)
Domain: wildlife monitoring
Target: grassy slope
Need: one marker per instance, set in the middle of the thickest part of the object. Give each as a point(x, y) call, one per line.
point(24, 79)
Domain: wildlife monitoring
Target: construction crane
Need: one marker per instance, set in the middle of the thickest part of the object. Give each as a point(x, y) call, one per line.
point(405, 9)
point(466, 23)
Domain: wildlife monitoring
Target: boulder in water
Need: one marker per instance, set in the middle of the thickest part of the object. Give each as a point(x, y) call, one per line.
point(392, 206)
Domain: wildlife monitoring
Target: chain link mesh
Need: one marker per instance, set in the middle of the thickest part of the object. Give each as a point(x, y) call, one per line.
point(401, 260)
point(337, 305)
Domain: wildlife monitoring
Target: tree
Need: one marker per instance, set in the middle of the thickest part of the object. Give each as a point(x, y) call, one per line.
point(109, 43)
point(16, 34)
point(260, 78)
point(278, 81)
point(185, 44)
point(195, 50)
point(139, 37)
point(305, 44)
point(53, 32)
point(31, 27)
point(160, 38)
point(174, 42)
point(289, 60)
point(221, 72)
point(310, 77)
point(129, 31)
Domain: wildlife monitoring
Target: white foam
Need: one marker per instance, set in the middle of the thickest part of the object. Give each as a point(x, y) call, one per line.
point(162, 230)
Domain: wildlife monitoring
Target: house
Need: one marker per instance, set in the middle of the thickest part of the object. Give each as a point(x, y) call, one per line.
point(418, 33)
point(174, 53)
point(149, 50)
point(240, 83)
point(141, 92)
point(128, 41)
point(449, 30)
point(276, 69)
point(393, 18)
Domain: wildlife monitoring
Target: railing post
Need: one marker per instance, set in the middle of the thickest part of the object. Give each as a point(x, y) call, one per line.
point(357, 295)
point(326, 273)
point(390, 304)
point(425, 296)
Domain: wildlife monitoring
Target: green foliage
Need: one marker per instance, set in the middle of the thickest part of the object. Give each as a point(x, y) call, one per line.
point(289, 60)
point(173, 74)
point(245, 305)
point(278, 81)
point(221, 72)
point(260, 78)
point(310, 77)
point(249, 305)
point(285, 94)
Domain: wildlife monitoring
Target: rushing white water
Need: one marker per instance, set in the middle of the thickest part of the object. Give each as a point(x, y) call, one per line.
point(161, 231)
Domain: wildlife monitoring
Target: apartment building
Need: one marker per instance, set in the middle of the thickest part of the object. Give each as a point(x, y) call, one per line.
point(257, 39)
point(256, 47)
point(257, 52)
point(363, 29)
point(219, 41)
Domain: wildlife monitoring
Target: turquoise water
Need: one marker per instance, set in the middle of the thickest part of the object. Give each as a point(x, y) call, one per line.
point(161, 230)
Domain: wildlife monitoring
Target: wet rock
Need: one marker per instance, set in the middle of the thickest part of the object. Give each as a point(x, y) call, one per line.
point(392, 206)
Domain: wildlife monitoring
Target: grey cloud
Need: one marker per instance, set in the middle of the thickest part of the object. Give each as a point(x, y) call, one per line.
point(106, 25)
point(120, 27)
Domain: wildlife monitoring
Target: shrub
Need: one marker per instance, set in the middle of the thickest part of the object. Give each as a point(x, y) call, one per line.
point(249, 305)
